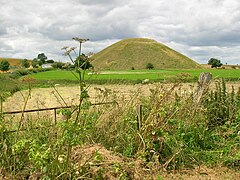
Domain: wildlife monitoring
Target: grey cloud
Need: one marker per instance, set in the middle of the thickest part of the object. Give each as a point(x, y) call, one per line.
point(102, 2)
point(104, 25)
point(2, 31)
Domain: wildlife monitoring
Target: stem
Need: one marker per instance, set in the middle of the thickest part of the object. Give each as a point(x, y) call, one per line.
point(80, 48)
point(24, 107)
point(59, 95)
point(80, 98)
point(68, 157)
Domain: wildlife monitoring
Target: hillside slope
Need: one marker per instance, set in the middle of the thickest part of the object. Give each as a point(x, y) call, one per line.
point(137, 53)
point(13, 61)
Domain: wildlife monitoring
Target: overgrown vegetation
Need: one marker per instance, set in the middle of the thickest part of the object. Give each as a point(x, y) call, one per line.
point(176, 132)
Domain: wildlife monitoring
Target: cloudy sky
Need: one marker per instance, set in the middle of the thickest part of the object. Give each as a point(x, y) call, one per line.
point(200, 29)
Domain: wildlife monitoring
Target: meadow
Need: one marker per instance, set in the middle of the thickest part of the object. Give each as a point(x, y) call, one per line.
point(133, 75)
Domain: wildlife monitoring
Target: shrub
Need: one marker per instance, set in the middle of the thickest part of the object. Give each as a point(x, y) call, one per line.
point(4, 65)
point(57, 65)
point(221, 105)
point(25, 63)
point(149, 66)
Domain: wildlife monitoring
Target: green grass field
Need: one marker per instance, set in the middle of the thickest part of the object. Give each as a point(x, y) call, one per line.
point(230, 74)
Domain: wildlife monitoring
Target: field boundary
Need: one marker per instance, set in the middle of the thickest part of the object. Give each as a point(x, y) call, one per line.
point(49, 109)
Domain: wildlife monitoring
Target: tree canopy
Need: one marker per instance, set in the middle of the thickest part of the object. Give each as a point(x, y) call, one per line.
point(42, 58)
point(25, 63)
point(35, 63)
point(4, 65)
point(149, 66)
point(214, 62)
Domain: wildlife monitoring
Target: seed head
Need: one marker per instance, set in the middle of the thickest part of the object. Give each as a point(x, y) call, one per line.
point(80, 39)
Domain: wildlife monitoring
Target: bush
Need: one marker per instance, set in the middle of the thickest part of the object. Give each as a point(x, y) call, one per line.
point(50, 61)
point(22, 72)
point(25, 63)
point(149, 66)
point(4, 65)
point(58, 65)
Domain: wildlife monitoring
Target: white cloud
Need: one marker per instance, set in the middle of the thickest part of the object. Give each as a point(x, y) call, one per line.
point(199, 29)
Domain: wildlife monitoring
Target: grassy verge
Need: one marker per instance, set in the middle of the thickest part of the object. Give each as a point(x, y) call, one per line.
point(8, 85)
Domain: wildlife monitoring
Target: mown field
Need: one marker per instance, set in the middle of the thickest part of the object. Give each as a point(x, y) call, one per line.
point(230, 74)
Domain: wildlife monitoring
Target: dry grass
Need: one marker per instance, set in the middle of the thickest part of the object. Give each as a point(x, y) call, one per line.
point(47, 97)
point(96, 157)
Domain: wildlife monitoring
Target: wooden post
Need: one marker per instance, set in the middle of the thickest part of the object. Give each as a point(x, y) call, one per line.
point(55, 116)
point(1, 103)
point(139, 116)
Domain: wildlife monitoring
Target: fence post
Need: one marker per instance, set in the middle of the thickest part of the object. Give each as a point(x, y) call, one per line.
point(1, 104)
point(203, 82)
point(139, 116)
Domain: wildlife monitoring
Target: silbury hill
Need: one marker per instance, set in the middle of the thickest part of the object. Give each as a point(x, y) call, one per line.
point(136, 53)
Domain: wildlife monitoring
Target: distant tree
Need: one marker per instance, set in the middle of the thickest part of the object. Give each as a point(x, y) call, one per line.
point(149, 66)
point(42, 58)
point(214, 62)
point(25, 63)
point(83, 62)
point(4, 65)
point(58, 65)
point(35, 63)
point(50, 61)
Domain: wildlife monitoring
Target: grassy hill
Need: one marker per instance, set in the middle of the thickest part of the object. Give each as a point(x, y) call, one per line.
point(137, 53)
point(13, 61)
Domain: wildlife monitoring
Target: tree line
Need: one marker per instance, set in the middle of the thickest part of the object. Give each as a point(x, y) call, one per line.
point(41, 59)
